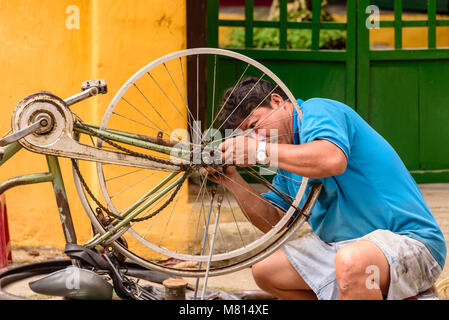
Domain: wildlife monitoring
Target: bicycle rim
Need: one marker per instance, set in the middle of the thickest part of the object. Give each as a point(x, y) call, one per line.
point(244, 253)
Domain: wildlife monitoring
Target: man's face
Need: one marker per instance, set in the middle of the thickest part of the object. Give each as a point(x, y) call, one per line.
point(274, 122)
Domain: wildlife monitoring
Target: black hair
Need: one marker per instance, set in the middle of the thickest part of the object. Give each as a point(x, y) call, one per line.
point(240, 101)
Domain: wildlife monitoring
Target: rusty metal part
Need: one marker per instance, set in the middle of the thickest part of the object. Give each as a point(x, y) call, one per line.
point(7, 152)
point(89, 89)
point(46, 123)
point(100, 84)
point(122, 148)
point(27, 130)
point(62, 200)
point(24, 180)
point(81, 96)
point(175, 289)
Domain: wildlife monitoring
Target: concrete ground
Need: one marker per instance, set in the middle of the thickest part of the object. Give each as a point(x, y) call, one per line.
point(436, 196)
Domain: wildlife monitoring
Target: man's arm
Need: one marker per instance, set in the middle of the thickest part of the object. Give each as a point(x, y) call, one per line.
point(316, 159)
point(256, 208)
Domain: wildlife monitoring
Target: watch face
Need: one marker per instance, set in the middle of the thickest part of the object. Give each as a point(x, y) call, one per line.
point(261, 157)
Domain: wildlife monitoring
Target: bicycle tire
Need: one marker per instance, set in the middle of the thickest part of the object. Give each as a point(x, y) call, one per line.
point(260, 246)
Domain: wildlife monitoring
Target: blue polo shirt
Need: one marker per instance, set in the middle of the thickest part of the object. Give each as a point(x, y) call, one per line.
point(376, 191)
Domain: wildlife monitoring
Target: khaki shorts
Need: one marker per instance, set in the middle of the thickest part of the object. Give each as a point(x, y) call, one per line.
point(413, 269)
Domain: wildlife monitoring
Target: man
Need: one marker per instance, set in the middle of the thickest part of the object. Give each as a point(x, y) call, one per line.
point(373, 235)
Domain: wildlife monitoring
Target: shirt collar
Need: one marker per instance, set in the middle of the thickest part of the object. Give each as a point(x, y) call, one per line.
point(296, 123)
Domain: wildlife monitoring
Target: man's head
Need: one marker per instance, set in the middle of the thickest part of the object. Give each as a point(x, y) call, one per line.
point(257, 104)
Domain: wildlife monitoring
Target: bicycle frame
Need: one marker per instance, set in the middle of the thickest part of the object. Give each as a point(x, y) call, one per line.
point(54, 176)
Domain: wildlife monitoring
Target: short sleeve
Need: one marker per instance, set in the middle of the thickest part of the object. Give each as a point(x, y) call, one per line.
point(325, 119)
point(281, 182)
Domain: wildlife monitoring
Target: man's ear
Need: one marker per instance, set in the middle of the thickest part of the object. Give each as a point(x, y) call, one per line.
point(276, 101)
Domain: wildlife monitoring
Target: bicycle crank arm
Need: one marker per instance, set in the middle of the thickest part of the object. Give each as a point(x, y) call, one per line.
point(58, 140)
point(20, 134)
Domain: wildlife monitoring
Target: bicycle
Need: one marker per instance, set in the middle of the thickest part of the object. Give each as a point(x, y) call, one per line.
point(144, 173)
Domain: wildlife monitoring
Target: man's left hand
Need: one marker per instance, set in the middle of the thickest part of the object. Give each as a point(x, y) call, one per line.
point(240, 151)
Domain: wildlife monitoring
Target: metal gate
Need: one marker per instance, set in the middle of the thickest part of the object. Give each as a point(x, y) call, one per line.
point(402, 93)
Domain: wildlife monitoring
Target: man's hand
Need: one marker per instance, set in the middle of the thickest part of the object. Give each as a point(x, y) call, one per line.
point(220, 175)
point(240, 151)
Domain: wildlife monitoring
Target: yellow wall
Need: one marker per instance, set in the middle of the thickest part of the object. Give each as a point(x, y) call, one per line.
point(38, 52)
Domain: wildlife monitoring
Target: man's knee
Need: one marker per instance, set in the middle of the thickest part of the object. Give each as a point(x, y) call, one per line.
point(261, 276)
point(347, 268)
point(360, 266)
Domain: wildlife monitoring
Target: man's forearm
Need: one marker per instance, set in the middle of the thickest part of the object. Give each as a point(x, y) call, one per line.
point(255, 207)
point(316, 159)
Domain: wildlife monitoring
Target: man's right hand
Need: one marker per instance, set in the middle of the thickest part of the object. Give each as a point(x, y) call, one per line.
point(219, 174)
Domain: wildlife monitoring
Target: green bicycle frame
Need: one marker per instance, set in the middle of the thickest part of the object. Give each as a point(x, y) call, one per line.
point(55, 177)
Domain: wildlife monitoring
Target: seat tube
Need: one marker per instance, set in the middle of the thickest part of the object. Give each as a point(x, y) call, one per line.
point(61, 200)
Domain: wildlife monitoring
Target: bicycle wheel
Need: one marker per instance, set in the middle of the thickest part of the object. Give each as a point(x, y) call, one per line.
point(155, 104)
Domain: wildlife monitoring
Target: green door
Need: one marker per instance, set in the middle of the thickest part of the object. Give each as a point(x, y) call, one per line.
point(402, 93)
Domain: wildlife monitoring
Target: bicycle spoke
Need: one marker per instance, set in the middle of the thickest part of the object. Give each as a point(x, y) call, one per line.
point(272, 188)
point(156, 218)
point(252, 111)
point(254, 194)
point(226, 101)
point(168, 98)
point(202, 214)
point(233, 215)
point(247, 132)
point(190, 115)
point(190, 214)
point(219, 230)
point(171, 214)
point(277, 173)
point(122, 175)
point(240, 102)
point(132, 185)
point(151, 105)
point(140, 112)
point(197, 87)
point(213, 86)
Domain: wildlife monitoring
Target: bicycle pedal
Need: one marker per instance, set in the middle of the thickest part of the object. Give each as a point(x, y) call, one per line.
point(100, 84)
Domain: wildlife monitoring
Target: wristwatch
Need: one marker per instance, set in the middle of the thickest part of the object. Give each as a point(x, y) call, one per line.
point(261, 153)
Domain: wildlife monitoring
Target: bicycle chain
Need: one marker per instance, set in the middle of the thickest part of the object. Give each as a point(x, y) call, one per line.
point(126, 150)
point(133, 153)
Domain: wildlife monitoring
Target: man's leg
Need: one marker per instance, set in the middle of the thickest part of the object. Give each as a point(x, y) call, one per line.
point(277, 276)
point(362, 271)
